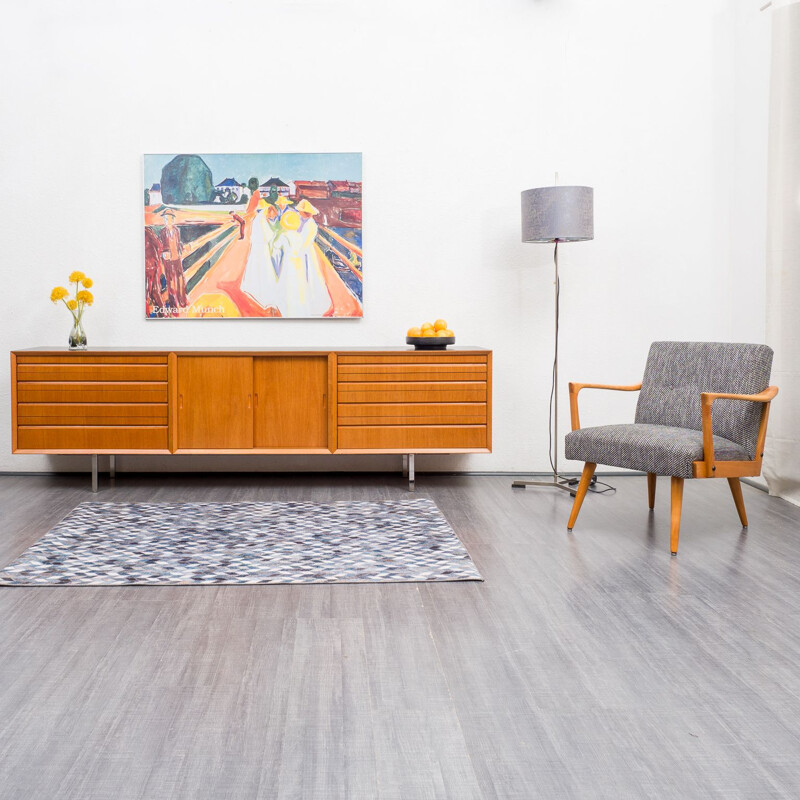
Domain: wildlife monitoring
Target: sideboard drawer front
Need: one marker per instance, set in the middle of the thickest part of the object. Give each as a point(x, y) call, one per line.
point(91, 372)
point(88, 402)
point(415, 358)
point(91, 392)
point(413, 392)
point(125, 414)
point(89, 358)
point(411, 372)
point(411, 437)
point(412, 413)
point(91, 438)
point(413, 401)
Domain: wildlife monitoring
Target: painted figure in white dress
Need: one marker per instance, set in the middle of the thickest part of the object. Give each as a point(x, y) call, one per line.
point(261, 280)
point(287, 257)
point(319, 296)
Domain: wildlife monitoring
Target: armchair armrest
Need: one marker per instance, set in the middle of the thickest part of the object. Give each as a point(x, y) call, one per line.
point(574, 388)
point(707, 401)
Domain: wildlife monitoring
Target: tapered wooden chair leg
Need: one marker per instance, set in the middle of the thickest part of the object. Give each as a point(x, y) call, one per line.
point(676, 487)
point(736, 491)
point(651, 489)
point(583, 487)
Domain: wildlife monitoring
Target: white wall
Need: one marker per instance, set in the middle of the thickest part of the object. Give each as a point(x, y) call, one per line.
point(636, 99)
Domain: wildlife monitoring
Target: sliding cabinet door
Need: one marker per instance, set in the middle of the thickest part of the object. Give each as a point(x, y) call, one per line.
point(215, 402)
point(291, 402)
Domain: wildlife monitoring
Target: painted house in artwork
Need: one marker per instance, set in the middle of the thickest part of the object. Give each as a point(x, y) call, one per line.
point(155, 194)
point(280, 187)
point(311, 190)
point(232, 186)
point(344, 188)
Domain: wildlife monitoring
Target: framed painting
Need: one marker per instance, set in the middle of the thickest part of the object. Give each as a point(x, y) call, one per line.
point(253, 235)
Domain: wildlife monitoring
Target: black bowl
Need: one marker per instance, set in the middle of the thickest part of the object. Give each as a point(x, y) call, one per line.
point(430, 342)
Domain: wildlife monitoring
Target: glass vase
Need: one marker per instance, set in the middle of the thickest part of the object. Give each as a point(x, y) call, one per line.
point(77, 336)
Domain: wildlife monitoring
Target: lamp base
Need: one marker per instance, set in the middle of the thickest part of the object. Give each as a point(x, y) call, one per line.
point(555, 483)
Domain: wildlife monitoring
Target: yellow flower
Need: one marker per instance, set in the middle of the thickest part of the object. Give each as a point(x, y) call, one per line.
point(87, 283)
point(85, 297)
point(76, 276)
point(59, 293)
point(72, 304)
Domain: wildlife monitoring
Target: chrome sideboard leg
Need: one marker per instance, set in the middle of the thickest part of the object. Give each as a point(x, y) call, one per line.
point(410, 472)
point(94, 472)
point(112, 467)
point(405, 465)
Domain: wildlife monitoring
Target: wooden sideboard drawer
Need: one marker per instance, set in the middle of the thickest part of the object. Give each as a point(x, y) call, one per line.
point(411, 372)
point(91, 402)
point(415, 358)
point(413, 392)
point(91, 392)
point(93, 439)
point(91, 372)
point(411, 437)
point(415, 401)
point(125, 414)
point(412, 413)
point(87, 358)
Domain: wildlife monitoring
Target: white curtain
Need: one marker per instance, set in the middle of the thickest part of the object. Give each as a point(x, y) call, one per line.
point(782, 454)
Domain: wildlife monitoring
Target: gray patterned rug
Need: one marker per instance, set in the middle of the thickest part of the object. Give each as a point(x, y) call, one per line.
point(114, 544)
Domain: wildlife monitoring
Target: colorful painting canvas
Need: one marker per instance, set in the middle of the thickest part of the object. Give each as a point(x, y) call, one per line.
point(253, 235)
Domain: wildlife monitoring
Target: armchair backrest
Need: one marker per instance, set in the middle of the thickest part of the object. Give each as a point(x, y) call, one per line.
point(677, 372)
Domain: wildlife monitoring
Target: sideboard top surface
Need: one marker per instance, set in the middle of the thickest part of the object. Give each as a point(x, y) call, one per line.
point(405, 350)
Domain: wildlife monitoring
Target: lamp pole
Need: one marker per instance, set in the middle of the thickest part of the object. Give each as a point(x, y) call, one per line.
point(556, 214)
point(555, 374)
point(557, 482)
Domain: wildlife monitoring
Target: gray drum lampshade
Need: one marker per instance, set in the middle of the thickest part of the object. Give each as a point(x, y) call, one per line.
point(565, 213)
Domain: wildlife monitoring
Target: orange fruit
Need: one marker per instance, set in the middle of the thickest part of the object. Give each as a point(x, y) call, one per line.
point(426, 326)
point(448, 332)
point(440, 325)
point(429, 332)
point(414, 332)
point(442, 333)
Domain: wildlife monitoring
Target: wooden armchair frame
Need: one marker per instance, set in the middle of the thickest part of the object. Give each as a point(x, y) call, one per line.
point(709, 467)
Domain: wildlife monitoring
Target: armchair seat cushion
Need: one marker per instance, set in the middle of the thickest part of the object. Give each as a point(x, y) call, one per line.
point(660, 449)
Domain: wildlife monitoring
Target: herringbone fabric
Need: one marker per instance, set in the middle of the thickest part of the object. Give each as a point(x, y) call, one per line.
point(650, 448)
point(112, 544)
point(677, 372)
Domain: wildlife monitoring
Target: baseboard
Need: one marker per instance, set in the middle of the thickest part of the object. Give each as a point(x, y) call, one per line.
point(755, 485)
point(481, 473)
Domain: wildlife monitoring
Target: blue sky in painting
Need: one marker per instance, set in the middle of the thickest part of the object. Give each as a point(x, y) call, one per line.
point(286, 166)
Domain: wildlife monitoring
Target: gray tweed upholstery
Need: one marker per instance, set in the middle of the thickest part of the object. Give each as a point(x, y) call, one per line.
point(666, 437)
point(660, 449)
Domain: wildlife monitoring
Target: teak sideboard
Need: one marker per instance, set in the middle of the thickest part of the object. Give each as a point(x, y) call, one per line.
point(249, 401)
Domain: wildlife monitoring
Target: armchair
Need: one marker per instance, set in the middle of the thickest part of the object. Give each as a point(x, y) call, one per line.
point(673, 433)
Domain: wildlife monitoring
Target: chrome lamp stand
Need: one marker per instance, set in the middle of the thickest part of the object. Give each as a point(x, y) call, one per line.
point(556, 482)
point(556, 214)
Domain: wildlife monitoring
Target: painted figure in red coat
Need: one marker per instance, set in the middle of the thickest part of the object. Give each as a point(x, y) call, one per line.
point(153, 272)
point(237, 218)
point(172, 249)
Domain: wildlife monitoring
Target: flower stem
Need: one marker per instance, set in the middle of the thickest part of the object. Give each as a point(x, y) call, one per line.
point(69, 309)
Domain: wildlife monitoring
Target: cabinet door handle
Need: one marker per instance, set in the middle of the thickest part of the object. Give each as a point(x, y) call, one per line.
point(324, 400)
point(255, 397)
point(250, 401)
point(180, 402)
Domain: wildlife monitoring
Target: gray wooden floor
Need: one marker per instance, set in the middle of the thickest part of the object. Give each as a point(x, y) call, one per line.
point(586, 665)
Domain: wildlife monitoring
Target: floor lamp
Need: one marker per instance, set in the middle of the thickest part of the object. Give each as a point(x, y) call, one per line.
point(556, 214)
